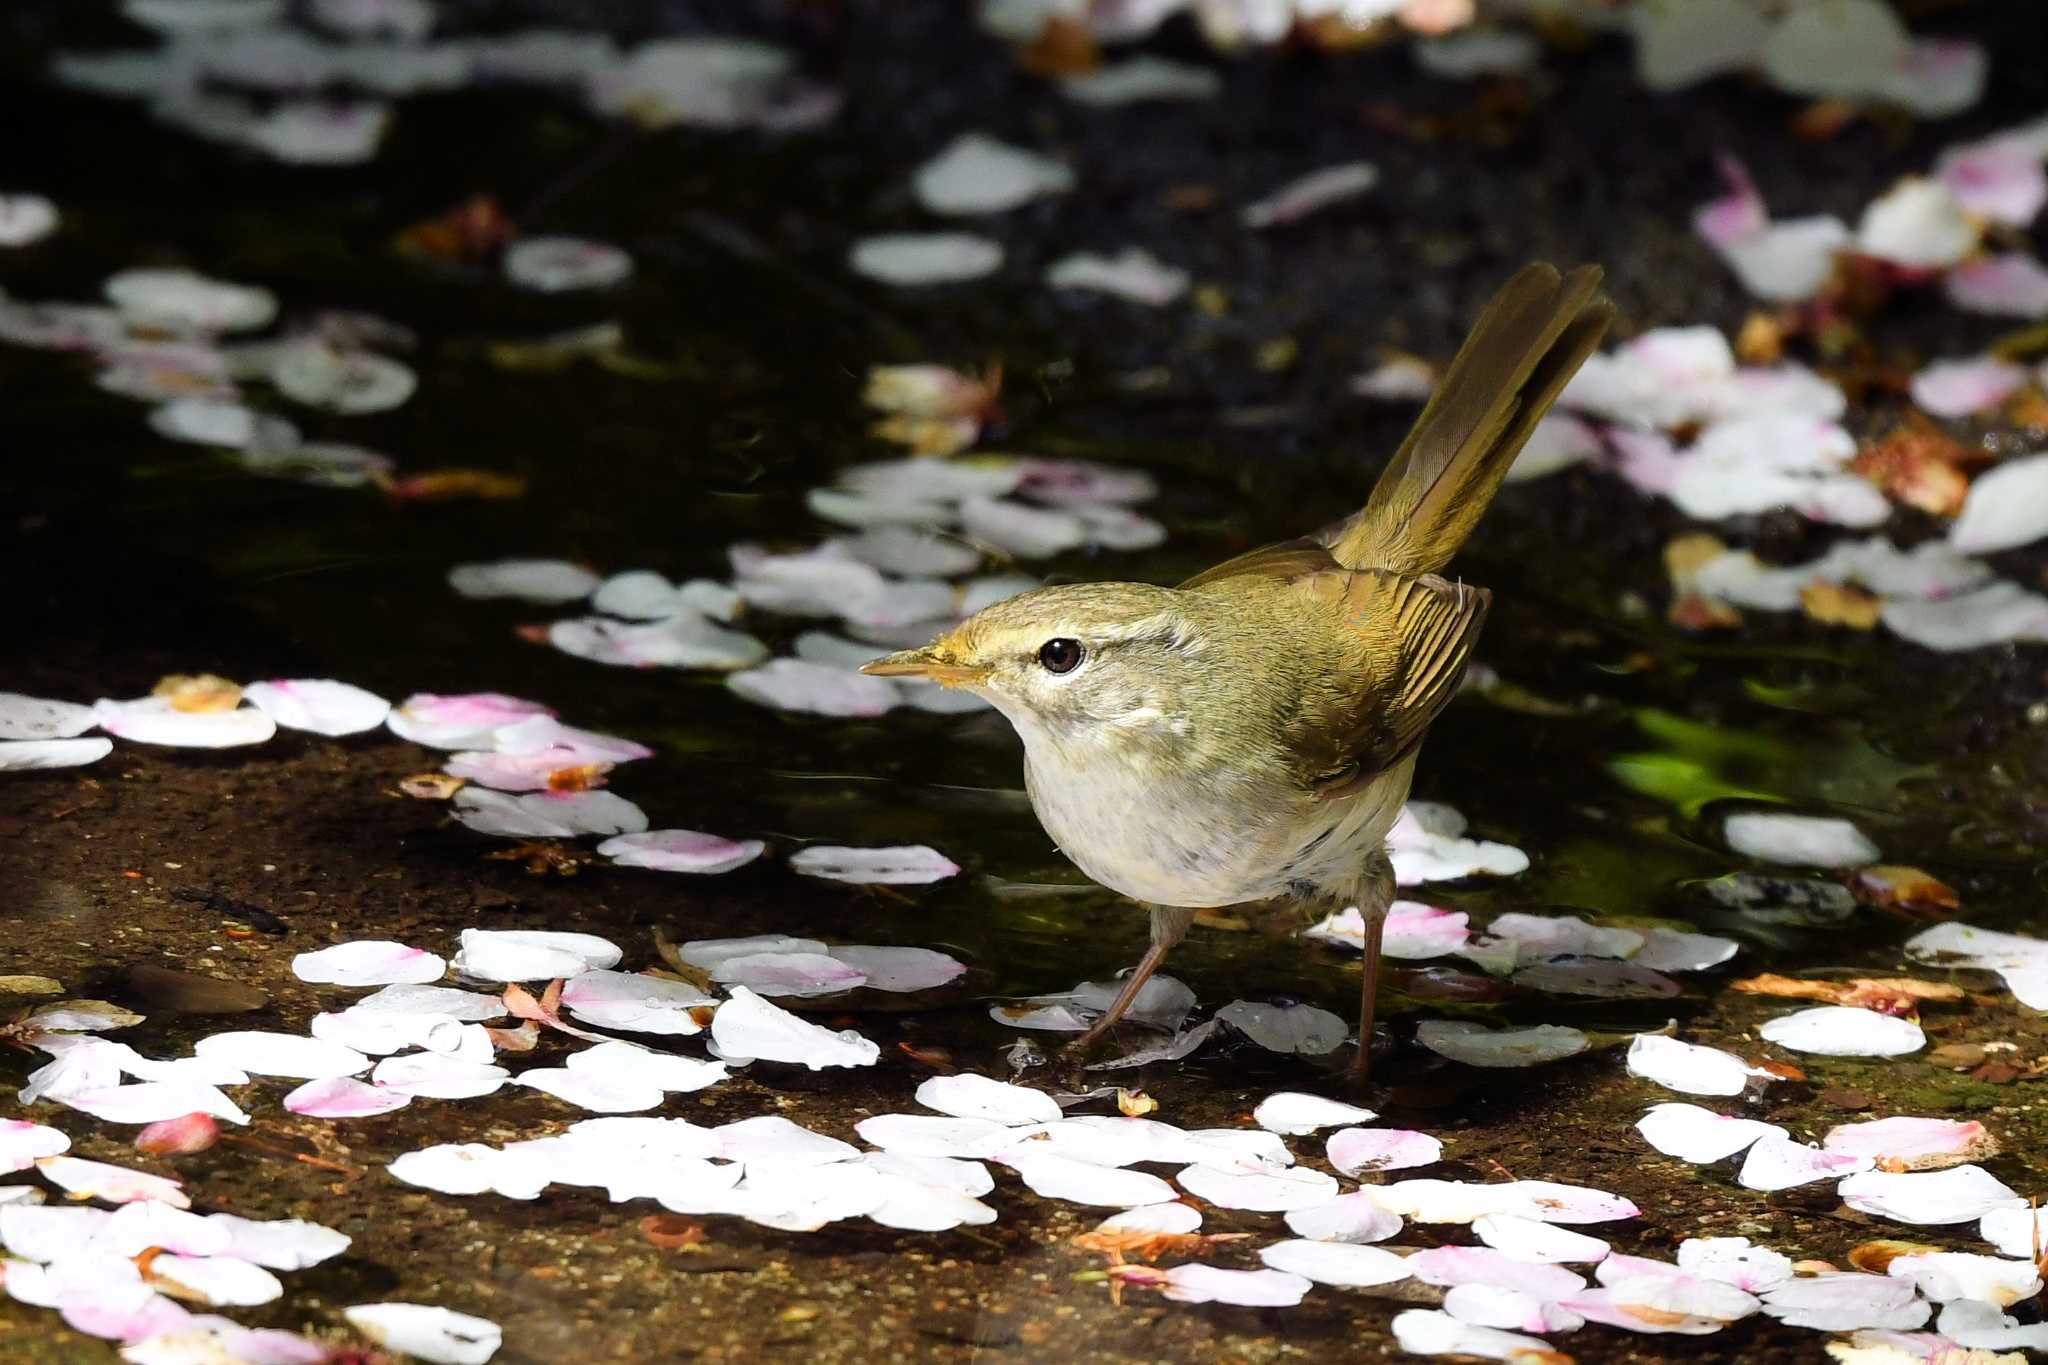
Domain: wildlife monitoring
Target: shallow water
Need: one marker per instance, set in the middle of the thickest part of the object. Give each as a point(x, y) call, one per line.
point(1613, 760)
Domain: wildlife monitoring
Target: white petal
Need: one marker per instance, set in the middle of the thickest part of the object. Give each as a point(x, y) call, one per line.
point(1844, 1302)
point(912, 258)
point(1133, 273)
point(907, 865)
point(470, 1168)
point(772, 1141)
point(1426, 1332)
point(2015, 1232)
point(1022, 530)
point(1669, 950)
point(153, 720)
point(1080, 1182)
point(1844, 1031)
point(1293, 1113)
point(1956, 1195)
point(603, 1094)
point(710, 953)
point(547, 581)
point(2006, 506)
point(547, 815)
point(281, 1244)
point(1981, 1326)
point(1483, 1265)
point(1141, 78)
point(1316, 190)
point(342, 1097)
point(1597, 978)
point(531, 954)
point(1961, 388)
point(1194, 1283)
point(1802, 840)
point(1691, 1133)
point(797, 975)
point(926, 1135)
point(467, 720)
point(281, 1054)
point(114, 1184)
point(1354, 1217)
point(1168, 1219)
point(900, 969)
point(437, 1076)
point(2010, 284)
point(1526, 1239)
point(1262, 1191)
point(642, 1004)
point(24, 717)
point(222, 1281)
point(153, 1102)
point(181, 301)
point(1946, 1275)
point(37, 755)
point(1339, 1263)
point(39, 1234)
point(1352, 1150)
point(746, 1026)
point(473, 1007)
point(969, 1096)
point(1916, 223)
point(1732, 1260)
point(432, 1334)
point(553, 264)
point(320, 705)
point(369, 962)
point(1997, 614)
point(22, 1143)
point(821, 689)
point(1485, 1305)
point(977, 174)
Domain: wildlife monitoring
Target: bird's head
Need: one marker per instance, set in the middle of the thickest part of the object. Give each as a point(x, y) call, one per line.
point(1055, 659)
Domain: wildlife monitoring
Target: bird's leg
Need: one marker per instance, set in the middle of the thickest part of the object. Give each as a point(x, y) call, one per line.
point(1375, 893)
point(1169, 925)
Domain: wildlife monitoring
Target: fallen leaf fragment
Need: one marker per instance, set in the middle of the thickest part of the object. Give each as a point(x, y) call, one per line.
point(1908, 889)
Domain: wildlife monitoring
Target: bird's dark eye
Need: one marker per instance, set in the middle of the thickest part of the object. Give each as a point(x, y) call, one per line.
point(1061, 655)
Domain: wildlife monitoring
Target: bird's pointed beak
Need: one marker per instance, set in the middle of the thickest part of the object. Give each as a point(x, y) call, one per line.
point(931, 662)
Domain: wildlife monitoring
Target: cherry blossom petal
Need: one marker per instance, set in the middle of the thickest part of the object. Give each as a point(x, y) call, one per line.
point(546, 581)
point(914, 258)
point(1132, 273)
point(748, 1027)
point(1980, 1326)
point(1141, 78)
point(470, 1168)
point(1913, 1144)
point(976, 174)
point(822, 689)
point(641, 1004)
point(1081, 1182)
point(905, 865)
point(2011, 284)
point(1998, 614)
point(2006, 506)
point(1261, 1191)
point(472, 1007)
point(438, 1076)
point(1483, 1265)
point(468, 720)
point(1691, 1133)
point(1526, 1239)
point(1778, 1163)
point(681, 850)
point(25, 219)
point(1802, 840)
point(114, 1184)
point(1338, 1263)
point(432, 1334)
point(1928, 1198)
point(969, 1096)
point(320, 705)
point(279, 1244)
point(154, 720)
point(1844, 1031)
point(685, 640)
point(1022, 530)
point(369, 962)
point(1298, 198)
point(1457, 1201)
point(1669, 950)
point(182, 301)
point(24, 717)
point(153, 1102)
point(1352, 1150)
point(1961, 388)
point(281, 1054)
point(1352, 1217)
point(1428, 1332)
point(602, 1093)
point(1733, 1260)
point(552, 265)
point(547, 815)
point(1946, 1275)
point(797, 975)
point(2015, 1232)
point(1559, 441)
point(1917, 223)
point(900, 970)
point(2000, 178)
point(1426, 846)
point(1196, 1283)
point(41, 755)
point(531, 954)
point(23, 1143)
point(1843, 1302)
point(343, 1097)
point(348, 381)
point(1294, 1113)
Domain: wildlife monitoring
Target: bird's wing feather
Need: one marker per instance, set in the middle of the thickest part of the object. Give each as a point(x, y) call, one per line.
point(1287, 560)
point(1410, 639)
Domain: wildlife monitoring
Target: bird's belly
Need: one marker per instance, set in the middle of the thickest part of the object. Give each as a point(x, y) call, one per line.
point(1198, 843)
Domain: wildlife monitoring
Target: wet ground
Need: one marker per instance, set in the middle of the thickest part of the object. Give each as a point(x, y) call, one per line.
point(126, 558)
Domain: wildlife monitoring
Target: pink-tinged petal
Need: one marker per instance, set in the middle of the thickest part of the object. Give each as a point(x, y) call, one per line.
point(1525, 1239)
point(1929, 1198)
point(1352, 1217)
point(180, 1136)
point(903, 865)
point(1733, 1260)
point(1484, 1305)
point(748, 1027)
point(1959, 388)
point(681, 850)
point(900, 969)
point(789, 974)
point(821, 689)
point(114, 1184)
point(343, 1097)
point(1936, 78)
point(642, 1004)
point(432, 1334)
point(154, 720)
point(467, 720)
point(434, 1076)
point(1082, 483)
point(1381, 1149)
point(123, 1313)
point(528, 772)
point(1998, 614)
point(1559, 441)
point(23, 1143)
point(1778, 1163)
point(1196, 1283)
point(545, 734)
point(2000, 178)
point(1659, 1304)
point(1913, 1144)
point(1297, 199)
point(1415, 930)
point(551, 265)
point(369, 962)
point(1338, 1263)
point(1484, 1265)
point(1646, 459)
point(2012, 284)
point(1738, 214)
point(320, 705)
point(1426, 846)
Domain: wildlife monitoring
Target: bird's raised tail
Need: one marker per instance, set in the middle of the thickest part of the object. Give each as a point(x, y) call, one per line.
point(1531, 339)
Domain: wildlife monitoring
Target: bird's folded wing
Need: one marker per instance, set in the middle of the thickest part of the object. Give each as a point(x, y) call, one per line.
point(1413, 637)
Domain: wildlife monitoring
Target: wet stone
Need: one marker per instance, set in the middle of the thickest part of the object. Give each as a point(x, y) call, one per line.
point(189, 992)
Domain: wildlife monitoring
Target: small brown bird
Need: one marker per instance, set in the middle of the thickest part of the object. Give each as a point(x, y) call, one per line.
point(1251, 733)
